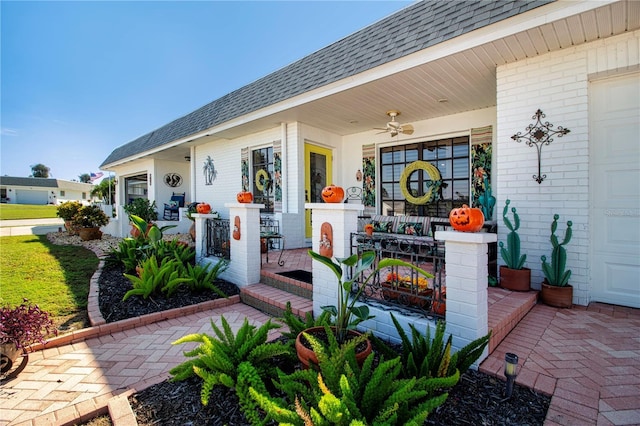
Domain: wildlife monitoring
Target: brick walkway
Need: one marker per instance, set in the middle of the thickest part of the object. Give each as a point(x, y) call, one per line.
point(587, 358)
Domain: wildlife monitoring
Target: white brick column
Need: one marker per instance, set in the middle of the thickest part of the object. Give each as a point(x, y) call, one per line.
point(466, 272)
point(244, 268)
point(343, 218)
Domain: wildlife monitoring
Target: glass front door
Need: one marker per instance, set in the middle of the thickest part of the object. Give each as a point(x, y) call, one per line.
point(318, 173)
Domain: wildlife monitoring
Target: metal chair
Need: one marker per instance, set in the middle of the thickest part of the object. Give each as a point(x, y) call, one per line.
point(353, 194)
point(172, 209)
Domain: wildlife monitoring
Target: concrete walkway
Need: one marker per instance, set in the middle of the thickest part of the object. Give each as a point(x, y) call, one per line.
point(10, 228)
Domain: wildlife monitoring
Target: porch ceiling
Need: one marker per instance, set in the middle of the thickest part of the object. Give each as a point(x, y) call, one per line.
point(467, 79)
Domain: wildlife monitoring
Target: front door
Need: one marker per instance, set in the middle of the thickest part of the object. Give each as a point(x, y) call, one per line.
point(615, 190)
point(317, 166)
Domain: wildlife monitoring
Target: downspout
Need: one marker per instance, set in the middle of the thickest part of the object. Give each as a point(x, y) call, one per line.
point(285, 176)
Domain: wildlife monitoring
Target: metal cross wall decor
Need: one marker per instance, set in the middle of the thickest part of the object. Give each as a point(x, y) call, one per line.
point(539, 134)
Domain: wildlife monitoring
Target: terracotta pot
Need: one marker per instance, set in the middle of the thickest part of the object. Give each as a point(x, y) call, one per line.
point(405, 296)
point(308, 356)
point(9, 354)
point(515, 279)
point(87, 234)
point(558, 297)
point(71, 229)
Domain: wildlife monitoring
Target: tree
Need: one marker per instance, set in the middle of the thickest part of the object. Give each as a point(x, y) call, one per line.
point(40, 171)
point(105, 189)
point(85, 178)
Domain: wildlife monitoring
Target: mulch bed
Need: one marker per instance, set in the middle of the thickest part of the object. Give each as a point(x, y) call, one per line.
point(477, 399)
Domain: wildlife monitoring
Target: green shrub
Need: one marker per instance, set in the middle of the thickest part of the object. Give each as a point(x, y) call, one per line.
point(203, 278)
point(142, 208)
point(68, 209)
point(217, 359)
point(156, 277)
point(342, 393)
point(423, 356)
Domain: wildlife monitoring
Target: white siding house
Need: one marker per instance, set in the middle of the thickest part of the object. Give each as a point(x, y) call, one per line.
point(453, 70)
point(28, 190)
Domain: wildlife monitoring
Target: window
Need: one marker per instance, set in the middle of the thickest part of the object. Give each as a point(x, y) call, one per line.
point(84, 195)
point(135, 187)
point(450, 156)
point(62, 193)
point(262, 163)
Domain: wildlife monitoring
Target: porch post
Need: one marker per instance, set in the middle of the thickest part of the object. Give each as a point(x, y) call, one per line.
point(244, 268)
point(466, 277)
point(201, 229)
point(343, 218)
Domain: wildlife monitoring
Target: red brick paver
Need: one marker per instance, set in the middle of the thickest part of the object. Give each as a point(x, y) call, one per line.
point(588, 359)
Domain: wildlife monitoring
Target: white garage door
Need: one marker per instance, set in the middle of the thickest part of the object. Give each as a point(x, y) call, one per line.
point(24, 196)
point(614, 119)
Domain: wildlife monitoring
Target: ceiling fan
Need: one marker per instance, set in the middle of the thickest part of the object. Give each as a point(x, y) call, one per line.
point(393, 127)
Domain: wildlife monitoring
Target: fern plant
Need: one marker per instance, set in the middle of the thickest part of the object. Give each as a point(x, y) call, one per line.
point(346, 394)
point(423, 356)
point(216, 360)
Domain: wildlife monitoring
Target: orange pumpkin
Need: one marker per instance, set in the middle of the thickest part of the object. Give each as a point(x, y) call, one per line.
point(332, 194)
point(466, 219)
point(203, 208)
point(244, 197)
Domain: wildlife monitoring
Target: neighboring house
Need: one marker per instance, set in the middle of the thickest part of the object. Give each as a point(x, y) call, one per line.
point(28, 190)
point(467, 75)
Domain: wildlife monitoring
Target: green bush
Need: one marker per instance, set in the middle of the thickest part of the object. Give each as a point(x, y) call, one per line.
point(155, 277)
point(68, 209)
point(203, 278)
point(142, 208)
point(218, 359)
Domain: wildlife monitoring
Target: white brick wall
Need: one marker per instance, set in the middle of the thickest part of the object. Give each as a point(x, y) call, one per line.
point(557, 83)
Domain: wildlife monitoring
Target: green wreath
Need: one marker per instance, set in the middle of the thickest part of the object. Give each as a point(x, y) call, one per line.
point(433, 172)
point(262, 173)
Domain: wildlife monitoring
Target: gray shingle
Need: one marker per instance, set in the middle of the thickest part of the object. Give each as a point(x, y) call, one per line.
point(409, 30)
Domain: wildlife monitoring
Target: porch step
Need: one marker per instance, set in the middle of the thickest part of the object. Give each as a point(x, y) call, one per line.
point(506, 309)
point(273, 301)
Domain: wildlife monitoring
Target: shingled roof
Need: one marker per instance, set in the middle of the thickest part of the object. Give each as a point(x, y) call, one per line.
point(43, 182)
point(409, 30)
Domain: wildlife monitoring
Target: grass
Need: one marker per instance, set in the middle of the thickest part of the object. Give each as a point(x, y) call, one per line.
point(27, 211)
point(54, 277)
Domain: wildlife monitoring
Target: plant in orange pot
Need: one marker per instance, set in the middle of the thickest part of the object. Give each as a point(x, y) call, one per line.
point(346, 316)
point(513, 275)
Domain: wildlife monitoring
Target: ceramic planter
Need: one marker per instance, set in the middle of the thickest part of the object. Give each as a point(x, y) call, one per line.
point(87, 234)
point(558, 297)
point(308, 356)
point(9, 354)
point(515, 279)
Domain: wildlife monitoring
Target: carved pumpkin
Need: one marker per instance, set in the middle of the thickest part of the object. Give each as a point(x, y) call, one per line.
point(332, 194)
point(466, 219)
point(203, 208)
point(244, 197)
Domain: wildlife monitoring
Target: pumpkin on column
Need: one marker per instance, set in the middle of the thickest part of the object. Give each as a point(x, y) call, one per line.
point(332, 194)
point(466, 219)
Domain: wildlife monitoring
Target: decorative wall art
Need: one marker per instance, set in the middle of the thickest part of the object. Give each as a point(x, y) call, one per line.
point(369, 177)
point(209, 170)
point(539, 134)
point(173, 180)
point(326, 240)
point(244, 166)
point(236, 228)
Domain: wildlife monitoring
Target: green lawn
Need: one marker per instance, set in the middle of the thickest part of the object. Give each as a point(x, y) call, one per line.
point(26, 211)
point(54, 277)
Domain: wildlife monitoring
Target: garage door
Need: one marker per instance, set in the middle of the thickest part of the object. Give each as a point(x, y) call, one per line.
point(614, 119)
point(31, 197)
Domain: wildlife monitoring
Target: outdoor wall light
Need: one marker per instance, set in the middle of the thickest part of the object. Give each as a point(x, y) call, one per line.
point(510, 371)
point(187, 158)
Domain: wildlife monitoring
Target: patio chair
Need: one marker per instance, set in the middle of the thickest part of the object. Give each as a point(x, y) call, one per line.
point(172, 209)
point(353, 194)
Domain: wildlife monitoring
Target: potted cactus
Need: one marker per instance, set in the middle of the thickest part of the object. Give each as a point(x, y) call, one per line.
point(556, 290)
point(513, 275)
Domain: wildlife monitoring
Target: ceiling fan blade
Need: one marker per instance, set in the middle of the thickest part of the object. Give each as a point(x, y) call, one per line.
point(384, 129)
point(407, 129)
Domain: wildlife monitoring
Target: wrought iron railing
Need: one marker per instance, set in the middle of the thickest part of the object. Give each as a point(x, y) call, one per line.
point(399, 287)
point(217, 237)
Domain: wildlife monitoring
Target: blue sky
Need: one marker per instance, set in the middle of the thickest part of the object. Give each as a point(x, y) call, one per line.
point(80, 78)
